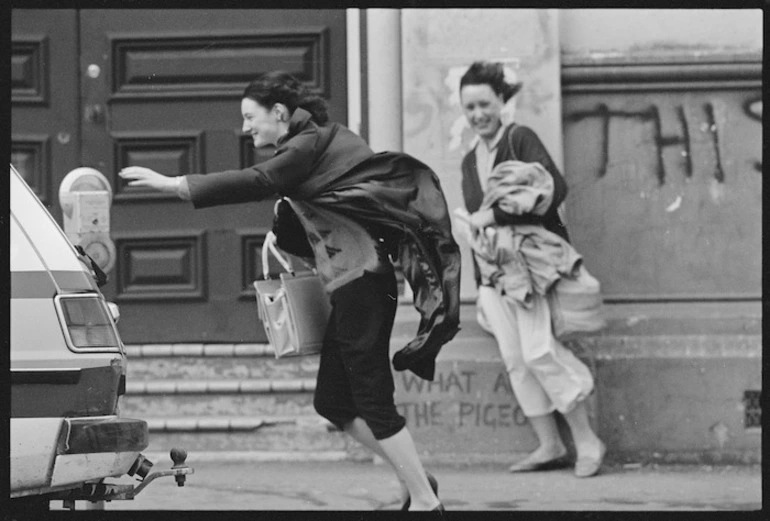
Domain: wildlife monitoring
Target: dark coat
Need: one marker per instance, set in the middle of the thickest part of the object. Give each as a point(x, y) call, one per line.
point(333, 168)
point(518, 143)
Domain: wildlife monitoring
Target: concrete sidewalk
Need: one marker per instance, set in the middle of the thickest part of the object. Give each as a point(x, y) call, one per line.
point(365, 486)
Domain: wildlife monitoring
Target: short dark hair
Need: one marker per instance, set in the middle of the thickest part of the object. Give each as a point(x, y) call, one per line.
point(281, 87)
point(492, 74)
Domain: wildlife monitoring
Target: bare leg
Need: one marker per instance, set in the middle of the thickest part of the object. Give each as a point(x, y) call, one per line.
point(403, 455)
point(551, 445)
point(587, 444)
point(360, 431)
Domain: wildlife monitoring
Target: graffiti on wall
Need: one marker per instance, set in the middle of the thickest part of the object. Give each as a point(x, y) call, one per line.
point(459, 398)
point(710, 126)
point(753, 109)
point(665, 188)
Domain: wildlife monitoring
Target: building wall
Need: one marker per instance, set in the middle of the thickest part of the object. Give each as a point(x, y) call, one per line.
point(655, 118)
point(668, 182)
point(638, 31)
point(662, 139)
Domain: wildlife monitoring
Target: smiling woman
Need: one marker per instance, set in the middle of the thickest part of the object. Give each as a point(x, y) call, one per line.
point(482, 108)
point(269, 102)
point(257, 122)
point(544, 375)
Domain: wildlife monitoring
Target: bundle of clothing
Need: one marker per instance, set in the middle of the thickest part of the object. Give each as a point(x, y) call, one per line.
point(523, 260)
point(401, 198)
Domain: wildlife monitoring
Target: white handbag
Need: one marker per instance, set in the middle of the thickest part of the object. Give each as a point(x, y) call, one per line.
point(294, 309)
point(576, 306)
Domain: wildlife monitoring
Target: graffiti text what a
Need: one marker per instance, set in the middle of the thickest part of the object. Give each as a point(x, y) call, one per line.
point(443, 382)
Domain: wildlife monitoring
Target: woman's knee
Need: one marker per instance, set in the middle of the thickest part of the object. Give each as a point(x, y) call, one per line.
point(539, 356)
point(383, 429)
point(321, 407)
point(513, 360)
point(337, 415)
point(379, 412)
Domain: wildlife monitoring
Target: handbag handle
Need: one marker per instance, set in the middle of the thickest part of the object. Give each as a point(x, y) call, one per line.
point(269, 244)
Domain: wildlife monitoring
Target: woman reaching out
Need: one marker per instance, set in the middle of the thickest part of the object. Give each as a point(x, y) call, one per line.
point(355, 211)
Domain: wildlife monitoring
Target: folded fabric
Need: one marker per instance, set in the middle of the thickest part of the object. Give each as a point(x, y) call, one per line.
point(518, 260)
point(522, 260)
point(519, 188)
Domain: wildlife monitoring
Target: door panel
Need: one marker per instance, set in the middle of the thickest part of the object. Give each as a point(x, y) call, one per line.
point(164, 92)
point(45, 117)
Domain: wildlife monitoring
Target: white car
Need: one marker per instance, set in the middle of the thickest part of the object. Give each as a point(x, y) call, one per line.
point(67, 371)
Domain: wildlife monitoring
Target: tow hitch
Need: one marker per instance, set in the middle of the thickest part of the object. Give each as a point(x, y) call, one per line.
point(141, 468)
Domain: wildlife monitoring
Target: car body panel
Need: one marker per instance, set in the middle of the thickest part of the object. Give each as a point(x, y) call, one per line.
point(41, 348)
point(65, 393)
point(65, 428)
point(41, 230)
point(23, 256)
point(72, 469)
point(32, 451)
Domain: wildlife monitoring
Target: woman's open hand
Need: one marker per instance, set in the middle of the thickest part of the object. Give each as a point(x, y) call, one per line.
point(141, 176)
point(481, 220)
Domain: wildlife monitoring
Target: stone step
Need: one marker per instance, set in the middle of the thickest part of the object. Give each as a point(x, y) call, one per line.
point(228, 366)
point(308, 434)
point(249, 398)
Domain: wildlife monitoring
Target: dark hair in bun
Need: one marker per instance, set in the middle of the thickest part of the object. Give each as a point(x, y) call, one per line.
point(281, 87)
point(490, 73)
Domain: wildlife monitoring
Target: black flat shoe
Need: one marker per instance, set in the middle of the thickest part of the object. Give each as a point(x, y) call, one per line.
point(433, 485)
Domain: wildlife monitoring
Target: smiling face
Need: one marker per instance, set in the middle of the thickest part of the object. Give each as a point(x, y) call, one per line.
point(264, 125)
point(482, 107)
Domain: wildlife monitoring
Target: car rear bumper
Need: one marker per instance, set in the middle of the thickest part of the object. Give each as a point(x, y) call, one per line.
point(104, 434)
point(95, 448)
point(49, 454)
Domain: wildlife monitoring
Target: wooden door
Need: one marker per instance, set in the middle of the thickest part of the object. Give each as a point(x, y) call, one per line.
point(162, 89)
point(45, 120)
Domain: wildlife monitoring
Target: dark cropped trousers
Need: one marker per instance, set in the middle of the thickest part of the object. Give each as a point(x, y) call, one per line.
point(354, 376)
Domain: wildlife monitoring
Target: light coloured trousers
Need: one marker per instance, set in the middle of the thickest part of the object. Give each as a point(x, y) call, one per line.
point(544, 374)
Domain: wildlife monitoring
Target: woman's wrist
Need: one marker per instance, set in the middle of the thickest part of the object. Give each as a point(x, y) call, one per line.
point(182, 188)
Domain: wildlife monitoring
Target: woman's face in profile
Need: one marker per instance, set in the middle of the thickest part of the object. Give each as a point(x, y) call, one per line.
point(260, 122)
point(482, 108)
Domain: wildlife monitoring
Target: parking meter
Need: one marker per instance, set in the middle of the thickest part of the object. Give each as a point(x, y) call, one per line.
point(85, 197)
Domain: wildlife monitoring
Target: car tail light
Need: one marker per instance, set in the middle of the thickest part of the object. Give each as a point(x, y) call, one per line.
point(88, 322)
